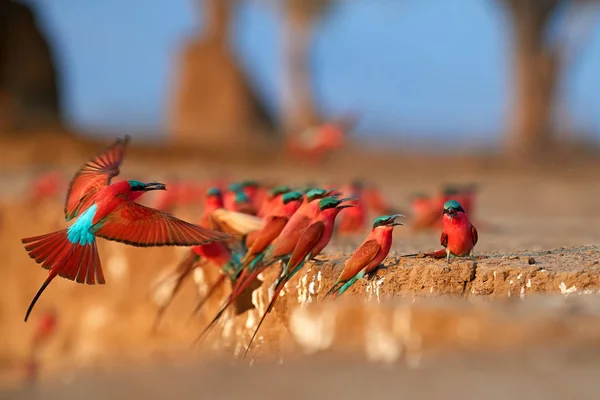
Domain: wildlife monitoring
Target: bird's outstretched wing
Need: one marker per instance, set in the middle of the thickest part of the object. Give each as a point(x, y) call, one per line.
point(142, 226)
point(93, 176)
point(359, 260)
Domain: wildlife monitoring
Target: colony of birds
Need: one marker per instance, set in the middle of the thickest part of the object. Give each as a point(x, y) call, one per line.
point(245, 228)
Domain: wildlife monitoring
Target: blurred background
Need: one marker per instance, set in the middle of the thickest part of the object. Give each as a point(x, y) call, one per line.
point(404, 103)
point(498, 74)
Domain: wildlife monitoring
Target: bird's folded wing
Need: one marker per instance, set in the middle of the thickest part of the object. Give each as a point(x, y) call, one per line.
point(444, 239)
point(93, 176)
point(239, 222)
point(360, 259)
point(474, 235)
point(305, 244)
point(142, 226)
point(271, 230)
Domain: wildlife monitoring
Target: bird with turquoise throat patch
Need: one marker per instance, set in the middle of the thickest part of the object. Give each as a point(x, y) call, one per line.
point(107, 210)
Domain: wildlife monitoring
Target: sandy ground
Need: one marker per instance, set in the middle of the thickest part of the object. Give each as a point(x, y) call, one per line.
point(546, 211)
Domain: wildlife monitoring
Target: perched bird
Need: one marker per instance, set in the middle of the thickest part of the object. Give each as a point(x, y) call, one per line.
point(230, 196)
point(235, 199)
point(371, 253)
point(283, 246)
point(459, 236)
point(321, 227)
point(275, 222)
point(255, 192)
point(272, 199)
point(107, 210)
point(314, 239)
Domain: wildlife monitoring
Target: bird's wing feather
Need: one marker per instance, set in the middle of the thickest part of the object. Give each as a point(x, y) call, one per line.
point(474, 235)
point(93, 176)
point(271, 230)
point(142, 226)
point(307, 241)
point(240, 222)
point(360, 259)
point(444, 239)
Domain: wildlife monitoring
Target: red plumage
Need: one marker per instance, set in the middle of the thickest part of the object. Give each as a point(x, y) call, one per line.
point(142, 226)
point(93, 176)
point(115, 217)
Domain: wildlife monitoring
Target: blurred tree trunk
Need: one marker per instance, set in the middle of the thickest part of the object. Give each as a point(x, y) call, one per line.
point(29, 92)
point(213, 102)
point(537, 68)
point(298, 106)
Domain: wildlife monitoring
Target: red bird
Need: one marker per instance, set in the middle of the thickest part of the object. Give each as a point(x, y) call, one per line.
point(312, 242)
point(274, 225)
point(369, 256)
point(47, 185)
point(283, 246)
point(272, 200)
point(459, 236)
point(107, 210)
point(255, 192)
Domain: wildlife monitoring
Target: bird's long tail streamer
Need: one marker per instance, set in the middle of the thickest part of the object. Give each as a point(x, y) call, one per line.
point(76, 262)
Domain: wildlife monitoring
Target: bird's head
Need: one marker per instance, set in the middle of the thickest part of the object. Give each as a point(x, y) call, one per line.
point(213, 192)
point(387, 220)
point(137, 186)
point(241, 197)
point(235, 187)
point(452, 207)
point(318, 193)
point(278, 190)
point(249, 183)
point(331, 203)
point(291, 196)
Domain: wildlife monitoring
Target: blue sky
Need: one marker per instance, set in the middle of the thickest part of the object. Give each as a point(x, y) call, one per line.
point(424, 67)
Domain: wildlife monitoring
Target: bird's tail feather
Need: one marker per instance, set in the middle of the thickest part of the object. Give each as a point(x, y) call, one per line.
point(333, 289)
point(57, 254)
point(220, 280)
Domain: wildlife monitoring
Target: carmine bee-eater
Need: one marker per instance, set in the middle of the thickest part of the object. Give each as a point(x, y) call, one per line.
point(255, 192)
point(107, 210)
point(229, 198)
point(459, 236)
point(314, 239)
point(275, 222)
point(272, 200)
point(371, 253)
point(323, 223)
point(283, 246)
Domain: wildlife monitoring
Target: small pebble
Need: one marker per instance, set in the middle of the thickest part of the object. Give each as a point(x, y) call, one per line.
point(513, 258)
point(531, 261)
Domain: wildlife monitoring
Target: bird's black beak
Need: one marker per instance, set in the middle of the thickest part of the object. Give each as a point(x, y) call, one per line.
point(394, 222)
point(155, 186)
